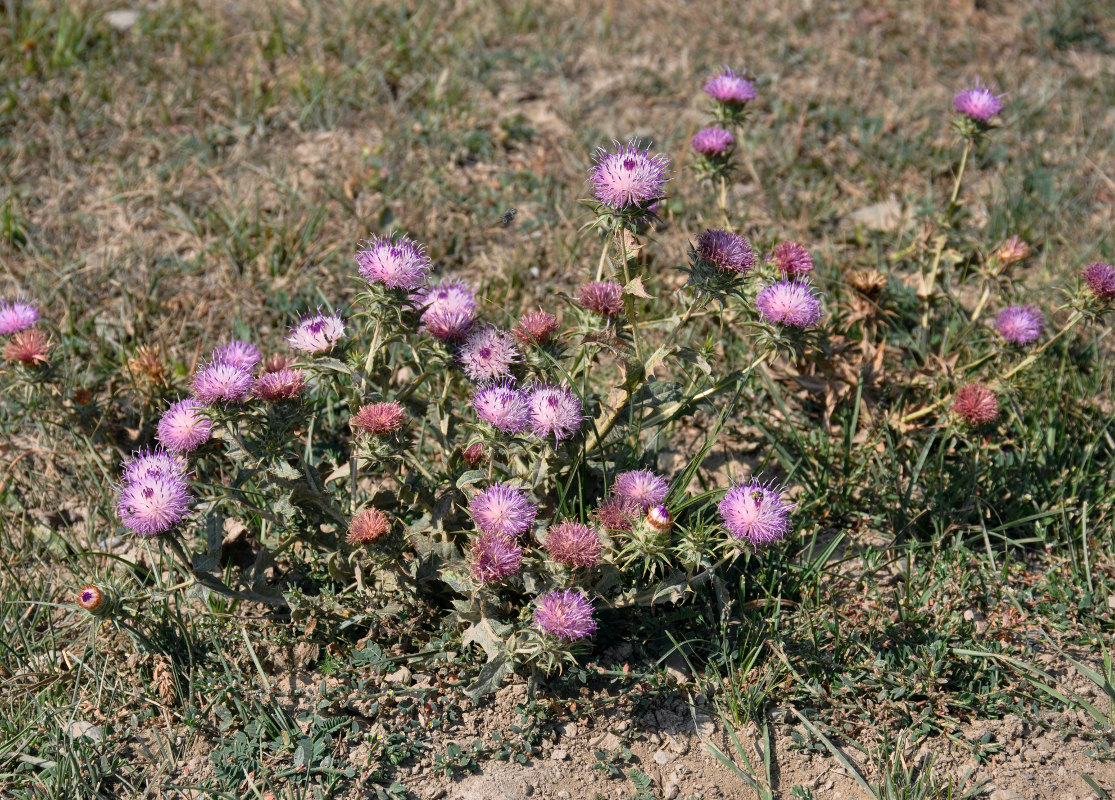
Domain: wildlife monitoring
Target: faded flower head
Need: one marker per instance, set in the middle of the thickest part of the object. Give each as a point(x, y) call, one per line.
point(278, 362)
point(535, 328)
point(379, 419)
point(1020, 325)
point(16, 315)
point(618, 513)
point(183, 427)
point(396, 262)
point(147, 365)
point(565, 614)
point(318, 333)
point(149, 463)
point(726, 251)
point(368, 527)
point(488, 353)
point(285, 384)
point(755, 512)
point(473, 455)
point(642, 487)
point(494, 556)
point(221, 382)
point(731, 89)
point(503, 406)
point(450, 310)
point(555, 411)
point(790, 303)
point(573, 544)
point(154, 504)
point(791, 258)
point(503, 509)
point(630, 176)
point(602, 297)
point(1012, 251)
point(978, 103)
point(28, 347)
point(239, 354)
point(975, 404)
point(713, 142)
point(869, 282)
point(1100, 279)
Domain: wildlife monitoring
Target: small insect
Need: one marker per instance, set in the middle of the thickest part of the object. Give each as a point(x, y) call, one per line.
point(508, 217)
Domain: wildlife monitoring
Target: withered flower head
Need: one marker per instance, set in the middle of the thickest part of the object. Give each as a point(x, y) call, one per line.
point(28, 347)
point(147, 366)
point(870, 282)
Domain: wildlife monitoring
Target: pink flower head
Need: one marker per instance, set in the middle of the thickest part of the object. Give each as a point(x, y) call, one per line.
point(318, 333)
point(29, 347)
point(714, 142)
point(755, 512)
point(368, 527)
point(473, 455)
point(618, 513)
point(147, 463)
point(495, 556)
point(397, 263)
point(153, 504)
point(978, 103)
point(1100, 279)
point(642, 487)
point(488, 353)
point(555, 411)
point(1020, 325)
point(221, 382)
point(789, 303)
point(565, 614)
point(603, 297)
point(975, 404)
point(791, 258)
point(535, 328)
point(379, 419)
point(731, 89)
point(726, 251)
point(573, 544)
point(450, 310)
point(239, 354)
point(503, 509)
point(631, 176)
point(286, 384)
point(183, 427)
point(503, 406)
point(16, 315)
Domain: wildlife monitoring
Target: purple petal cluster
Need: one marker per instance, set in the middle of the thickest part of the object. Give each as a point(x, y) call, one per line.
point(535, 328)
point(221, 382)
point(450, 310)
point(791, 258)
point(642, 487)
point(978, 103)
point(154, 496)
point(183, 426)
point(602, 297)
point(630, 176)
point(790, 303)
point(243, 355)
point(495, 556)
point(318, 333)
point(503, 406)
point(555, 411)
point(16, 315)
point(148, 463)
point(755, 512)
point(731, 89)
point(503, 509)
point(397, 263)
point(488, 353)
point(565, 614)
point(714, 142)
point(1100, 279)
point(1020, 325)
point(726, 251)
point(284, 384)
point(573, 544)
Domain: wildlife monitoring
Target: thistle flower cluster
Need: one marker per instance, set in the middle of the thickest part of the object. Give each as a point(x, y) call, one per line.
point(628, 182)
point(715, 144)
point(26, 344)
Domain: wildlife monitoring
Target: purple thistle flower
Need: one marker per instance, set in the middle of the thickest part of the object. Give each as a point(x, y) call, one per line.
point(976, 404)
point(495, 556)
point(565, 614)
point(727, 251)
point(153, 504)
point(729, 88)
point(488, 353)
point(1020, 325)
point(535, 328)
point(503, 509)
point(16, 315)
point(789, 303)
point(713, 142)
point(603, 297)
point(618, 513)
point(555, 411)
point(148, 463)
point(239, 354)
point(379, 419)
point(450, 310)
point(286, 384)
point(641, 486)
point(503, 406)
point(397, 263)
point(631, 176)
point(183, 427)
point(317, 333)
point(756, 512)
point(573, 544)
point(1100, 278)
point(978, 103)
point(791, 258)
point(221, 382)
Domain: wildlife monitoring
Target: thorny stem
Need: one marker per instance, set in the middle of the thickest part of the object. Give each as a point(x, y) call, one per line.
point(628, 299)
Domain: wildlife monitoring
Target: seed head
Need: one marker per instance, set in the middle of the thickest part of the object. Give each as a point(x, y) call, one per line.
point(503, 406)
point(791, 258)
point(368, 527)
point(450, 310)
point(629, 176)
point(153, 504)
point(379, 419)
point(555, 411)
point(869, 282)
point(603, 297)
point(243, 355)
point(29, 347)
point(494, 556)
point(286, 384)
point(1020, 325)
point(565, 614)
point(713, 142)
point(1100, 279)
point(755, 512)
point(642, 487)
point(573, 544)
point(789, 303)
point(488, 353)
point(183, 427)
point(221, 382)
point(975, 404)
point(16, 315)
point(503, 509)
point(317, 333)
point(535, 328)
point(396, 262)
point(726, 251)
point(147, 365)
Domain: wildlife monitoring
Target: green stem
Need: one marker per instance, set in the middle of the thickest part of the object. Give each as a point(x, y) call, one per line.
point(629, 300)
point(960, 174)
